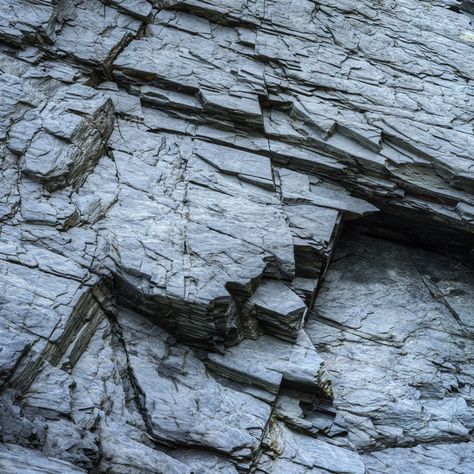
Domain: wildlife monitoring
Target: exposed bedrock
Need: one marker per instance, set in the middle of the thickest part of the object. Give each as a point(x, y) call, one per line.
point(236, 236)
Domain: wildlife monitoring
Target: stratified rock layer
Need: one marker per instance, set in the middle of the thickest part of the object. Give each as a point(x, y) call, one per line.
point(175, 177)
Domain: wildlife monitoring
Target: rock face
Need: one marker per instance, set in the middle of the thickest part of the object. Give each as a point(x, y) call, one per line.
point(236, 236)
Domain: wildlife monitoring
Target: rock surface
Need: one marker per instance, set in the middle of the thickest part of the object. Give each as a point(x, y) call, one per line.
point(236, 236)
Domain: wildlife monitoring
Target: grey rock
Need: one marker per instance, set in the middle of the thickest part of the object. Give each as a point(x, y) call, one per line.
point(202, 462)
point(185, 284)
point(269, 362)
point(422, 459)
point(396, 344)
point(71, 135)
point(15, 345)
point(138, 8)
point(94, 33)
point(278, 309)
point(28, 21)
point(50, 391)
point(185, 405)
point(125, 455)
point(15, 459)
point(290, 452)
point(17, 426)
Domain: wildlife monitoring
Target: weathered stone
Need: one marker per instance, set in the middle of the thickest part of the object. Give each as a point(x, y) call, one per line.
point(14, 458)
point(175, 179)
point(396, 343)
point(28, 21)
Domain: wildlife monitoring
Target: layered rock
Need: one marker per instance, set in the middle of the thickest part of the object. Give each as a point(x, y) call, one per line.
point(175, 179)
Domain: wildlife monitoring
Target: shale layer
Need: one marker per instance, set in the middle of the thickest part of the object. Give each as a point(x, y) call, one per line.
point(236, 236)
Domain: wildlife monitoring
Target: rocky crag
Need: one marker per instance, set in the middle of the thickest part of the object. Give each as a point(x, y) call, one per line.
point(237, 236)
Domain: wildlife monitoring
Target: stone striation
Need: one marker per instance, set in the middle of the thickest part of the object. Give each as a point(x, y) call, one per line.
point(175, 179)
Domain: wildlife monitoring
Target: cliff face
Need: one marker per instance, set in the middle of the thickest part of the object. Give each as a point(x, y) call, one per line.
point(236, 236)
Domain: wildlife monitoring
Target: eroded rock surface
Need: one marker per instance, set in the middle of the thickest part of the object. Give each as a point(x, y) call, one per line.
point(174, 181)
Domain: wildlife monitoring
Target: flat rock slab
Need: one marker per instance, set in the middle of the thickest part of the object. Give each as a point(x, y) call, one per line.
point(301, 454)
point(396, 339)
point(95, 33)
point(434, 458)
point(185, 405)
point(15, 458)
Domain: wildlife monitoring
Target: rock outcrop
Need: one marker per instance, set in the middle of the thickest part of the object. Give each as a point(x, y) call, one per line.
point(236, 236)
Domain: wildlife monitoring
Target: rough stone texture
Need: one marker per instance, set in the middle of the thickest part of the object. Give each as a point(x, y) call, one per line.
point(175, 293)
point(399, 351)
